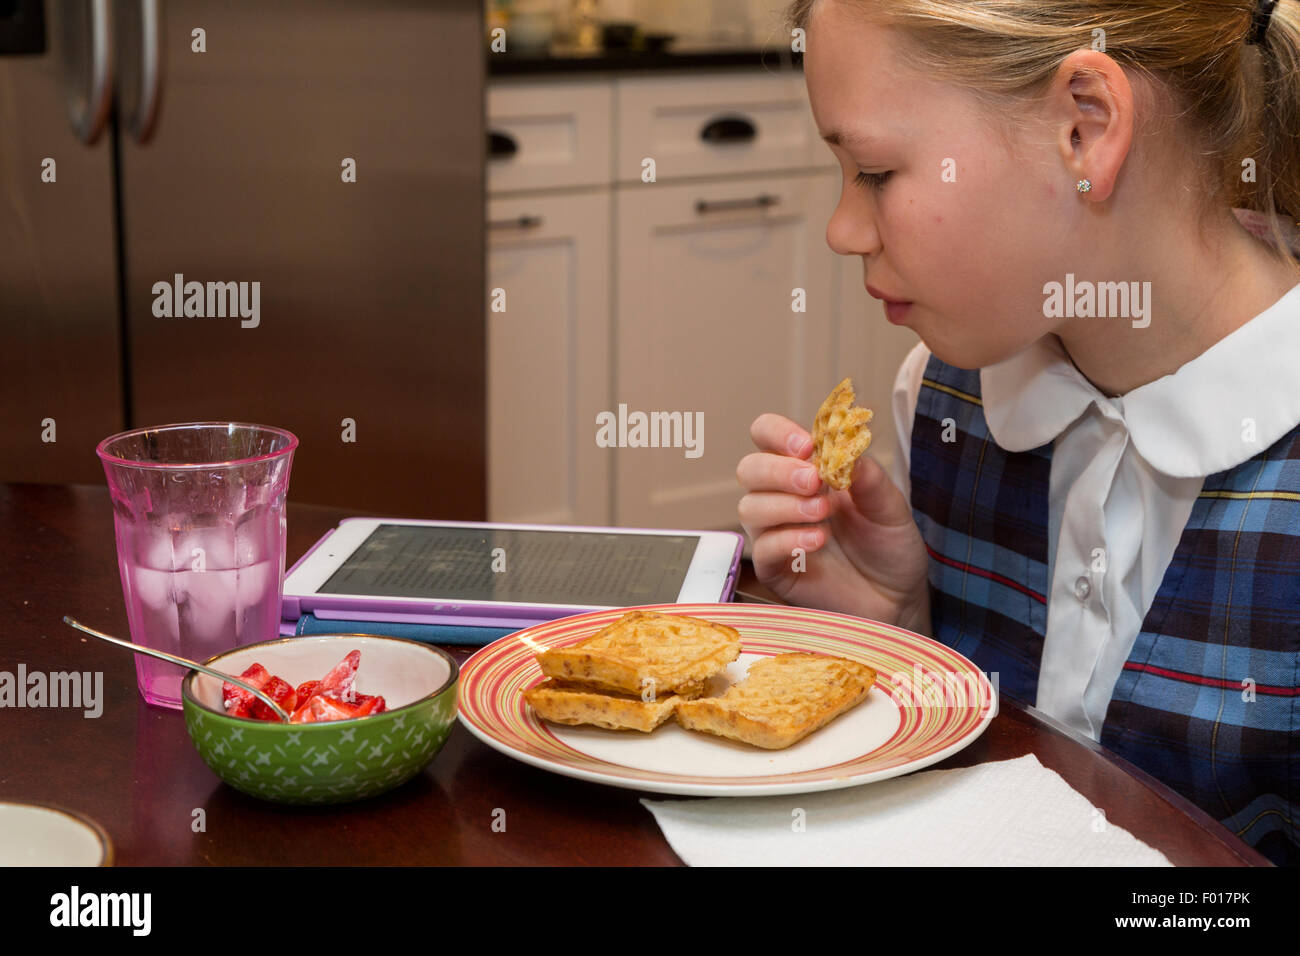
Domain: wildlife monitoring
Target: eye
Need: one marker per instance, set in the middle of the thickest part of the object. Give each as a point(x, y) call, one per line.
point(873, 181)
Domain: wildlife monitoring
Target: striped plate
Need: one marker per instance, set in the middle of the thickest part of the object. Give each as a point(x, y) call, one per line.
point(928, 702)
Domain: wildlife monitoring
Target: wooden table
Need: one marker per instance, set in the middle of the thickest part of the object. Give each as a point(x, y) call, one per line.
point(134, 770)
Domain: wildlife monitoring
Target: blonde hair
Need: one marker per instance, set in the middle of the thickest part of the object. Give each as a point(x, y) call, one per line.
point(1238, 100)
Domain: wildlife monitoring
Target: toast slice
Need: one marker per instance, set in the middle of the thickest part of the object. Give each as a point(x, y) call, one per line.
point(781, 700)
point(840, 435)
point(563, 702)
point(665, 653)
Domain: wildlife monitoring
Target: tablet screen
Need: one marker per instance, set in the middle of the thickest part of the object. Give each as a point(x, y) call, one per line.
point(530, 567)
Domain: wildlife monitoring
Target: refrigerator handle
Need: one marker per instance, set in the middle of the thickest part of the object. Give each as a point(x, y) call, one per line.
point(146, 109)
point(89, 117)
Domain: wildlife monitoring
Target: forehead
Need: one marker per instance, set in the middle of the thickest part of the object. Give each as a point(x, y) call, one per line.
point(856, 81)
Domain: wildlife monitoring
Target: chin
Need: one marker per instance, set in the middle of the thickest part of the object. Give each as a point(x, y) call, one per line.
point(973, 357)
point(957, 358)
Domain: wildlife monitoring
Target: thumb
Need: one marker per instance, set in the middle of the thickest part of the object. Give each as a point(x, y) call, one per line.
point(875, 495)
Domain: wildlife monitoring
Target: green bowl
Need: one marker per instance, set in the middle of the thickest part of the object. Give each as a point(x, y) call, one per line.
point(332, 761)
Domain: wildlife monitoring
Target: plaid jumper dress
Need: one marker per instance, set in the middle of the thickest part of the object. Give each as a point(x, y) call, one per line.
point(1208, 700)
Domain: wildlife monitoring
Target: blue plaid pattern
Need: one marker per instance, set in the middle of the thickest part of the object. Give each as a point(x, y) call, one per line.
point(1209, 699)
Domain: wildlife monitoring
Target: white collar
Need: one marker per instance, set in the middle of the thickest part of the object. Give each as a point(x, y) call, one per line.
point(1187, 424)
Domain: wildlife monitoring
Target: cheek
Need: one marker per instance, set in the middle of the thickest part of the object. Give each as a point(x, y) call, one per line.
point(918, 225)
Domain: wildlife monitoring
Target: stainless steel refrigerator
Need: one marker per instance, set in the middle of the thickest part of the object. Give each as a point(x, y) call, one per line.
point(260, 211)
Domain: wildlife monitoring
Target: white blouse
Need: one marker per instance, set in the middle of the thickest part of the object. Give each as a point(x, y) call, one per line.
point(1125, 474)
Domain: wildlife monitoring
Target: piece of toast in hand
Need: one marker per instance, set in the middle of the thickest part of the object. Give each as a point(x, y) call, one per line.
point(645, 649)
point(840, 435)
point(781, 700)
point(563, 702)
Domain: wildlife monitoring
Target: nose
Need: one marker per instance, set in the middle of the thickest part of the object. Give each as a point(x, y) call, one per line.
point(852, 228)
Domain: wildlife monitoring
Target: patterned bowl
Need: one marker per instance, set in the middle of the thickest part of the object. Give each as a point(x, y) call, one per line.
point(332, 761)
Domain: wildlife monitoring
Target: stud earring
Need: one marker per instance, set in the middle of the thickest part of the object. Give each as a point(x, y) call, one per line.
point(1084, 185)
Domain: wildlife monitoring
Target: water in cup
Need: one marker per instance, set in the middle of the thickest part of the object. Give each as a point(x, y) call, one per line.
point(197, 592)
point(199, 516)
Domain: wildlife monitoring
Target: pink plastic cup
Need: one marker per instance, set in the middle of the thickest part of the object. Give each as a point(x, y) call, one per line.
point(199, 513)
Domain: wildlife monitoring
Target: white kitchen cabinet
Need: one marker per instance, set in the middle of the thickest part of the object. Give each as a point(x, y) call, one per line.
point(705, 327)
point(559, 131)
point(548, 368)
point(672, 118)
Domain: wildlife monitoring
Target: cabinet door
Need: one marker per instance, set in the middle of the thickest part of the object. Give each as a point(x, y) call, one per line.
point(548, 134)
point(705, 328)
point(548, 358)
point(715, 124)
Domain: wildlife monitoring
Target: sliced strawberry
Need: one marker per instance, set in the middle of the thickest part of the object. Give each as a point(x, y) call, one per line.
point(303, 714)
point(280, 691)
point(239, 702)
point(327, 708)
point(307, 690)
point(338, 682)
point(372, 705)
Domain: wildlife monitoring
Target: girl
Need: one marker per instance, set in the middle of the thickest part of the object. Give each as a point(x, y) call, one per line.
point(1098, 498)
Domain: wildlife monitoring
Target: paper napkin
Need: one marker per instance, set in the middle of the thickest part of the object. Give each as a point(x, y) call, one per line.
point(1002, 813)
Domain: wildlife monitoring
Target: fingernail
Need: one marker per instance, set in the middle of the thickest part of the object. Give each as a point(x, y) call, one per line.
point(808, 539)
point(807, 478)
point(799, 444)
point(811, 507)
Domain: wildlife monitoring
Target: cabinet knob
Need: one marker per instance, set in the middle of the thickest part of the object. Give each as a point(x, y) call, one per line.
point(519, 222)
point(720, 205)
point(501, 145)
point(729, 129)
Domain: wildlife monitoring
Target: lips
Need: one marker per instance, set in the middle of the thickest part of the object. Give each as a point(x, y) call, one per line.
point(887, 299)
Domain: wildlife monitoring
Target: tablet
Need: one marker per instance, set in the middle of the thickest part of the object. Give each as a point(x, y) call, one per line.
point(491, 575)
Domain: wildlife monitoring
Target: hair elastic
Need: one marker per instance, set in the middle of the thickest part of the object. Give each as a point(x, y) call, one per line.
point(1259, 24)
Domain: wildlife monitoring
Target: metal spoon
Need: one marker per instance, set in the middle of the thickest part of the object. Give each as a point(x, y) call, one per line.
point(183, 662)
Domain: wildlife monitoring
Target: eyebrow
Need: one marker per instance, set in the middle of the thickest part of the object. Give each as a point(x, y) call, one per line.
point(843, 137)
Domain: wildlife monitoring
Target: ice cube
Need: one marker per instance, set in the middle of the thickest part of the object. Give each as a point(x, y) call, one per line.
point(155, 589)
point(253, 537)
point(208, 614)
point(213, 543)
point(153, 548)
point(259, 605)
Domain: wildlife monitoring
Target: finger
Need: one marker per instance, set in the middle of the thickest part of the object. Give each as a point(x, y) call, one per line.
point(775, 549)
point(875, 495)
point(763, 510)
point(779, 435)
point(760, 471)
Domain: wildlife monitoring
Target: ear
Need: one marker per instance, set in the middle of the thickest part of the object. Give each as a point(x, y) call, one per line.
point(1090, 104)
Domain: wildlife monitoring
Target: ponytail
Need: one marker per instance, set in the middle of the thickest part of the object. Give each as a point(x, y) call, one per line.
point(1277, 70)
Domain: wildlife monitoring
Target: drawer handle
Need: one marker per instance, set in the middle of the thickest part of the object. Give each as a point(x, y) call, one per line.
point(501, 144)
point(729, 129)
point(720, 205)
point(519, 222)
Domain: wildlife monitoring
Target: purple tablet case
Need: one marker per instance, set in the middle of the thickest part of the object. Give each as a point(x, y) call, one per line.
point(445, 623)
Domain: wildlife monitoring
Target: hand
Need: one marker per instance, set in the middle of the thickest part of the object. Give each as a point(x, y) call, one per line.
point(864, 553)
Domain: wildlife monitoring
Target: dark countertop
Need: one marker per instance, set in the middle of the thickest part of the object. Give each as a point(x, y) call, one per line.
point(691, 57)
